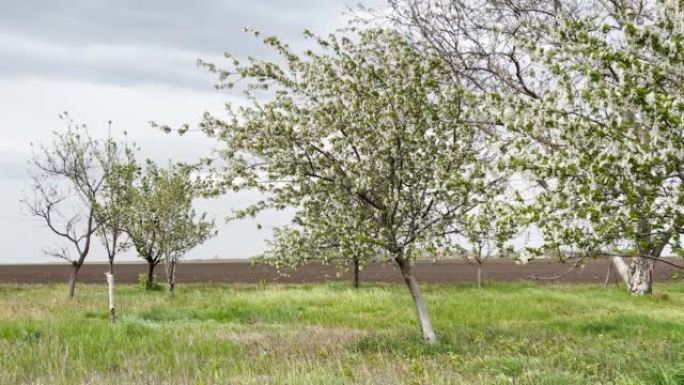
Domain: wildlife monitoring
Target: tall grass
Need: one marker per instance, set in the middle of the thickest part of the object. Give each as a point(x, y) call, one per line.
point(332, 334)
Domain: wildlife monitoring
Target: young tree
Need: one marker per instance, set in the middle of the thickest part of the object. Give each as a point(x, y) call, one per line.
point(592, 90)
point(367, 139)
point(486, 235)
point(118, 164)
point(304, 242)
point(143, 221)
point(162, 224)
point(180, 227)
point(66, 184)
point(120, 168)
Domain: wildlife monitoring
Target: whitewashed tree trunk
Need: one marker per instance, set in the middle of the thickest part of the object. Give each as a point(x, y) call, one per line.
point(638, 275)
point(110, 284)
point(479, 275)
point(423, 316)
point(641, 276)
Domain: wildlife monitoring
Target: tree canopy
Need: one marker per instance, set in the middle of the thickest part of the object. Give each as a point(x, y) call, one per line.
point(162, 222)
point(367, 138)
point(591, 96)
point(67, 182)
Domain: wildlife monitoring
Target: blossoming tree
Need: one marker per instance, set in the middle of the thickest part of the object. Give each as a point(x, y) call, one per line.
point(366, 139)
point(591, 95)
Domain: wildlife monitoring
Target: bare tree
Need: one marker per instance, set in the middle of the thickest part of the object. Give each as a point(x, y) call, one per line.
point(66, 183)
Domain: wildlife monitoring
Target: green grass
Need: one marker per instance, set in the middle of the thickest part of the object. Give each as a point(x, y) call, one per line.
point(331, 334)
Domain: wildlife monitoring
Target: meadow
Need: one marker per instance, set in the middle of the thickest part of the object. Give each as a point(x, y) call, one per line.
point(504, 333)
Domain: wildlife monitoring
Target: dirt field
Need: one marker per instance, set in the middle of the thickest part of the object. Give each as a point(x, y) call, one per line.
point(244, 272)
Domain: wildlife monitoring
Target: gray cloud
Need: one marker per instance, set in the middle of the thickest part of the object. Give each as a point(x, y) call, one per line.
point(207, 26)
point(132, 42)
point(110, 64)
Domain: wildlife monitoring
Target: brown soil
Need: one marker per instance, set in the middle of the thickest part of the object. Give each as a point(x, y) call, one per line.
point(243, 272)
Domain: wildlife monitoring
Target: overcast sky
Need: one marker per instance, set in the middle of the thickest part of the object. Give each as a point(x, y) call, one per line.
point(130, 62)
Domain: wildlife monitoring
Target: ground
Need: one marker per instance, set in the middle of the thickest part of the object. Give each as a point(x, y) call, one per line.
point(440, 271)
point(504, 333)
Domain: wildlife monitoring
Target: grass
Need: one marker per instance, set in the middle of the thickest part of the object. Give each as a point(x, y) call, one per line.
point(330, 334)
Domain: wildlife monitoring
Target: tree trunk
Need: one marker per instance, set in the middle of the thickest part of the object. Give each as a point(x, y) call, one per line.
point(110, 284)
point(357, 281)
point(641, 276)
point(638, 275)
point(172, 278)
point(423, 316)
point(150, 274)
point(75, 267)
point(479, 275)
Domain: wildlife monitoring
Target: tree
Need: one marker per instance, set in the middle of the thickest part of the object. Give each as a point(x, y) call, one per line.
point(486, 234)
point(142, 222)
point(322, 238)
point(163, 225)
point(592, 91)
point(181, 228)
point(66, 184)
point(477, 39)
point(298, 245)
point(366, 139)
point(120, 169)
